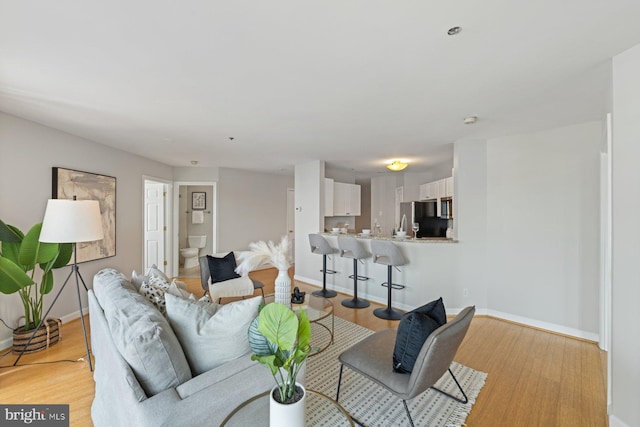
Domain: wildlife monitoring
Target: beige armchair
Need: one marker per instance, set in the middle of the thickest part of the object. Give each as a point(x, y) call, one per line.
point(240, 287)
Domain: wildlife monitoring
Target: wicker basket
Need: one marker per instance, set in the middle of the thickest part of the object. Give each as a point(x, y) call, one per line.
point(49, 333)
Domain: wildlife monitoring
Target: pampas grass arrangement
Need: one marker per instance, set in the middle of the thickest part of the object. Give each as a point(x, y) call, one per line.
point(262, 253)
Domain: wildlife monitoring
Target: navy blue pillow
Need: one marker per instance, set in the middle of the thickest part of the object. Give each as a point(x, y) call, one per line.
point(222, 269)
point(413, 330)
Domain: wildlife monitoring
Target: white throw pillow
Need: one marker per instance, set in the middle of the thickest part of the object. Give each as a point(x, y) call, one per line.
point(211, 334)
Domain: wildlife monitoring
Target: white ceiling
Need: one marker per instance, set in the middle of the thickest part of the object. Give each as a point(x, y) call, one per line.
point(354, 83)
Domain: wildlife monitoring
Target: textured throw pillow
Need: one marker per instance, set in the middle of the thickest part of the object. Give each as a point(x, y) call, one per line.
point(222, 269)
point(413, 330)
point(211, 334)
point(155, 288)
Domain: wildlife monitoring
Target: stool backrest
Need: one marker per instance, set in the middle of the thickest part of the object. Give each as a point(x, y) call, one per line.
point(319, 245)
point(387, 253)
point(352, 248)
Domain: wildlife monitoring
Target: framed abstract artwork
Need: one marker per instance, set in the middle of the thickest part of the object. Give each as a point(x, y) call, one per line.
point(198, 200)
point(69, 183)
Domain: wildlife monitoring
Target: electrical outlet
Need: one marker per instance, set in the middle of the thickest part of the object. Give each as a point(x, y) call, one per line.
point(465, 292)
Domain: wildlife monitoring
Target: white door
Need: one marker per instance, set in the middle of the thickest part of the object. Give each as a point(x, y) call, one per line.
point(154, 227)
point(291, 222)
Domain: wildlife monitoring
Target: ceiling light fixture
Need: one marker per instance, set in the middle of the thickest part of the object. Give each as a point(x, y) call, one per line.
point(397, 165)
point(470, 120)
point(454, 30)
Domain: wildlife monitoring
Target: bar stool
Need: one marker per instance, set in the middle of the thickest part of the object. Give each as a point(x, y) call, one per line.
point(387, 253)
point(352, 248)
point(319, 245)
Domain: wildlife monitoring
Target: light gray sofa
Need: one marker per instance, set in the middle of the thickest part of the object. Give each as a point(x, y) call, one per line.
point(141, 373)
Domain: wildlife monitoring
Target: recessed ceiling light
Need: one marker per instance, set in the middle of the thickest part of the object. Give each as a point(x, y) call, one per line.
point(470, 120)
point(231, 138)
point(454, 30)
point(194, 162)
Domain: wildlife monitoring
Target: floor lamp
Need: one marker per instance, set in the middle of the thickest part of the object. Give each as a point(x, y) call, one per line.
point(70, 221)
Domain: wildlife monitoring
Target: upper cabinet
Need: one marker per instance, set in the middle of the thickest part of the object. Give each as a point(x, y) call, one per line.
point(328, 197)
point(346, 199)
point(437, 189)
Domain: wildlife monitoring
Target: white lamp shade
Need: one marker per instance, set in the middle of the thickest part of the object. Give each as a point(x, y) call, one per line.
point(71, 221)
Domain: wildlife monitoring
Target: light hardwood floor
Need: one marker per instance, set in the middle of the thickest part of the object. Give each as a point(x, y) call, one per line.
point(535, 378)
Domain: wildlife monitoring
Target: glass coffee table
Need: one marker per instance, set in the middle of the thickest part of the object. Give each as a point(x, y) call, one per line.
point(319, 408)
point(320, 312)
point(318, 309)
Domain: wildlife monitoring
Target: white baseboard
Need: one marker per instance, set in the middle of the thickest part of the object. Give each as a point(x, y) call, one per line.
point(552, 327)
point(616, 422)
point(8, 342)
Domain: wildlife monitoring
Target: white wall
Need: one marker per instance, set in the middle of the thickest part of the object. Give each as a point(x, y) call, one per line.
point(251, 206)
point(29, 151)
point(543, 210)
point(309, 215)
point(625, 344)
point(470, 217)
point(383, 195)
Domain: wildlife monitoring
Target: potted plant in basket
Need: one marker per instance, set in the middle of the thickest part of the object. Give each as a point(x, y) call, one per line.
point(280, 340)
point(20, 254)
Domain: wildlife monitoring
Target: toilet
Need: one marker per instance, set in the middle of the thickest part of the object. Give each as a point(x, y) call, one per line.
point(192, 253)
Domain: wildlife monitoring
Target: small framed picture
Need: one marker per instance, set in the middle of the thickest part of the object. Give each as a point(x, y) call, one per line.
point(198, 200)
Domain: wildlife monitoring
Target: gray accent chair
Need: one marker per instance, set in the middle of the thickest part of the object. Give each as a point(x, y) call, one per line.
point(373, 358)
point(352, 248)
point(389, 254)
point(205, 275)
point(319, 245)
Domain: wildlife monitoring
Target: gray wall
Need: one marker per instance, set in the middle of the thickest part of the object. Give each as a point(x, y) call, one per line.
point(543, 225)
point(625, 345)
point(29, 151)
point(251, 206)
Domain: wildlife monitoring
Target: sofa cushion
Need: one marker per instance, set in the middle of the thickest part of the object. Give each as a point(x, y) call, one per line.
point(211, 334)
point(413, 330)
point(222, 269)
point(141, 334)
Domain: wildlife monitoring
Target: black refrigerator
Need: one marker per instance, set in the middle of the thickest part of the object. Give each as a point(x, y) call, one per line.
point(424, 213)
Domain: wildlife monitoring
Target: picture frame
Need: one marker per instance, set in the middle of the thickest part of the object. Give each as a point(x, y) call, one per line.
point(198, 200)
point(70, 183)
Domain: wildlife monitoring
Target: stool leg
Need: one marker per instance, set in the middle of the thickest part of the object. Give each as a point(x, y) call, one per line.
point(355, 302)
point(324, 292)
point(388, 313)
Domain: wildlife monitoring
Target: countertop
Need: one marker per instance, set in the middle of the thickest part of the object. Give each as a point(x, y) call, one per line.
point(395, 239)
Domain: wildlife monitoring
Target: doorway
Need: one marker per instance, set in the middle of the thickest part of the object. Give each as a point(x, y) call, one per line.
point(194, 214)
point(157, 215)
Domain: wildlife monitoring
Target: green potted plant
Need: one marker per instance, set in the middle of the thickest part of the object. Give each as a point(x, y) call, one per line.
point(281, 340)
point(20, 255)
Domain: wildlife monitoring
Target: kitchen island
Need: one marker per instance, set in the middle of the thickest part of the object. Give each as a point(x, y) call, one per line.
point(430, 272)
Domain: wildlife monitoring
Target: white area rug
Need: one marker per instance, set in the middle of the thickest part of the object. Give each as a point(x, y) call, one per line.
point(371, 404)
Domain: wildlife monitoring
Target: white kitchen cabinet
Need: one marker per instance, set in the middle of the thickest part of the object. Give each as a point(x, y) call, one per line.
point(428, 191)
point(328, 197)
point(346, 199)
point(449, 187)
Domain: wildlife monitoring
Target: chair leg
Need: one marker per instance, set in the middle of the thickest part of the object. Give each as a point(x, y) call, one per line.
point(457, 399)
point(339, 381)
point(355, 302)
point(406, 408)
point(324, 292)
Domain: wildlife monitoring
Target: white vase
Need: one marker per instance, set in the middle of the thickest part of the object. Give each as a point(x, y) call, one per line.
point(283, 288)
point(291, 415)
